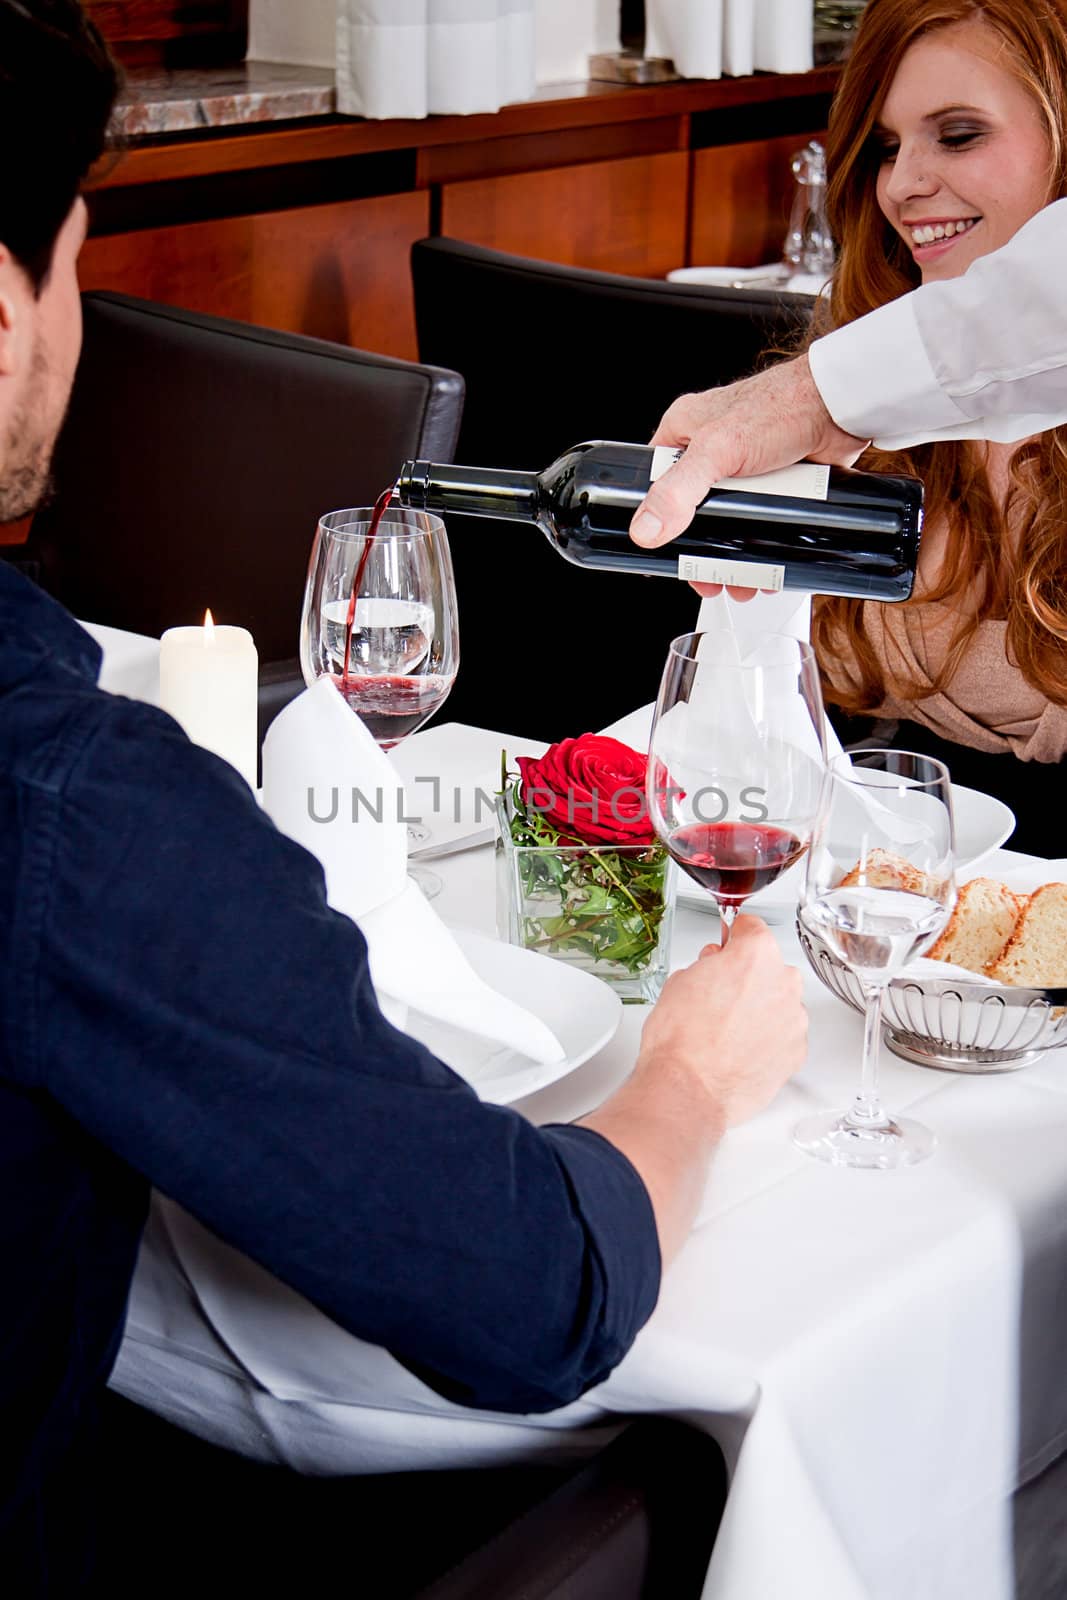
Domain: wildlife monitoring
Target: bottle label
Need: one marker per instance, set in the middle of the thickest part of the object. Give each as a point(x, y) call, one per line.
point(807, 480)
point(745, 574)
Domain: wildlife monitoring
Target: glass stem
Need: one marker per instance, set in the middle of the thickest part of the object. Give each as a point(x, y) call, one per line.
point(867, 1109)
point(727, 913)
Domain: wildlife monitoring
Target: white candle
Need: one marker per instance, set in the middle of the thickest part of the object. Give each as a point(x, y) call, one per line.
point(208, 681)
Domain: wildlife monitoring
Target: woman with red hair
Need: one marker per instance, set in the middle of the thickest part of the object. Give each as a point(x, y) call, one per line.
point(946, 136)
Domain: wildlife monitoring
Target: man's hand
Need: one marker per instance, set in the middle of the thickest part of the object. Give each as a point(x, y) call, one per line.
point(720, 1042)
point(734, 1023)
point(765, 422)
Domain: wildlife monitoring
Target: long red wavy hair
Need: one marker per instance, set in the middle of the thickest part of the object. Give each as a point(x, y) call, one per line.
point(874, 267)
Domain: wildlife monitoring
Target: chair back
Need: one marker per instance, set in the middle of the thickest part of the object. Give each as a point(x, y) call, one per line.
point(552, 355)
point(198, 454)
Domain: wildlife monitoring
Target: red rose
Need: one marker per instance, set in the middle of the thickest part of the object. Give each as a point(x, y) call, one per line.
point(592, 788)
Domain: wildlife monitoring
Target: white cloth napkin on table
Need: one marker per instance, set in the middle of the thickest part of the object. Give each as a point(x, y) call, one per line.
point(131, 662)
point(320, 764)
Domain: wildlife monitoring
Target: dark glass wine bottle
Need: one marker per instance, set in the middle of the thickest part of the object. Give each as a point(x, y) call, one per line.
point(828, 530)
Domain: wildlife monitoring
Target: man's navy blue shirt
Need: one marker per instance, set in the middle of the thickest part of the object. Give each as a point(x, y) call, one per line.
point(181, 1008)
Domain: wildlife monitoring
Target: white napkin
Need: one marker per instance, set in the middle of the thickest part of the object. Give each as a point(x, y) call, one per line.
point(319, 765)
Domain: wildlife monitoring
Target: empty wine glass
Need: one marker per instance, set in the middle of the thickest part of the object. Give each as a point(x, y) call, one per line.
point(380, 619)
point(736, 761)
point(878, 889)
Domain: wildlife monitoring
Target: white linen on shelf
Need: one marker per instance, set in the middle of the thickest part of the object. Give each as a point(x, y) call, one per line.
point(705, 38)
point(411, 58)
point(568, 32)
point(738, 37)
point(687, 32)
point(784, 36)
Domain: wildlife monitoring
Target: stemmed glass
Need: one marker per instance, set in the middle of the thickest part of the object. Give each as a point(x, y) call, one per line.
point(878, 889)
point(380, 619)
point(736, 761)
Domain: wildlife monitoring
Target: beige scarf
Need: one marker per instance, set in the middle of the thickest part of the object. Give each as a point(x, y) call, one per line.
point(987, 705)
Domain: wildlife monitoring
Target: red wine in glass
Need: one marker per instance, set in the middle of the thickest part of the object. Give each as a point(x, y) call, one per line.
point(392, 706)
point(734, 859)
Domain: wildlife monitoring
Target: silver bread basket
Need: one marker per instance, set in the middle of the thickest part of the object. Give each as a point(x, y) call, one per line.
point(964, 1027)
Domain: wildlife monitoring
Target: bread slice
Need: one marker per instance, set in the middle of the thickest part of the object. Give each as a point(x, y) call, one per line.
point(1035, 955)
point(981, 924)
point(884, 870)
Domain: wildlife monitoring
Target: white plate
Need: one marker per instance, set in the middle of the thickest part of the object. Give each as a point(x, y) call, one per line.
point(451, 774)
point(582, 1012)
point(982, 825)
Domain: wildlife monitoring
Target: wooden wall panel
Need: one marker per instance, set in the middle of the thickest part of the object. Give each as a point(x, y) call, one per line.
point(615, 216)
point(336, 271)
point(173, 32)
point(742, 194)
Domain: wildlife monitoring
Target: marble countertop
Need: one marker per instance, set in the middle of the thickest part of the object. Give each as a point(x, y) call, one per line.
point(157, 102)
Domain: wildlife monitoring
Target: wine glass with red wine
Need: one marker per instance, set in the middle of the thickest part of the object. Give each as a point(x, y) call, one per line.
point(736, 761)
point(380, 620)
point(380, 616)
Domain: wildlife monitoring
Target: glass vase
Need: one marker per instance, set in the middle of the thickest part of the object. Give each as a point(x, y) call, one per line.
point(607, 909)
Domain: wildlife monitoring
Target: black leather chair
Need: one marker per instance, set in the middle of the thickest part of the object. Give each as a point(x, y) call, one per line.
point(637, 1521)
point(552, 355)
point(198, 454)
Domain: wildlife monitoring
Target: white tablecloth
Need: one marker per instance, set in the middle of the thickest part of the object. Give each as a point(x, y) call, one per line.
point(878, 1354)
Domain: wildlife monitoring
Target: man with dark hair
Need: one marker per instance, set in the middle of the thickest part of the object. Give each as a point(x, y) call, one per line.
point(57, 88)
point(180, 1007)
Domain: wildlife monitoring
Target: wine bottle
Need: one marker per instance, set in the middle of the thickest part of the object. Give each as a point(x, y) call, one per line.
point(828, 530)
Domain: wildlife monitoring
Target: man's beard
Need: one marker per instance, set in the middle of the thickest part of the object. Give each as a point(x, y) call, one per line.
point(26, 462)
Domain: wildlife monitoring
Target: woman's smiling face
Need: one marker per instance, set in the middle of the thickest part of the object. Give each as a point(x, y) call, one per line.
point(965, 159)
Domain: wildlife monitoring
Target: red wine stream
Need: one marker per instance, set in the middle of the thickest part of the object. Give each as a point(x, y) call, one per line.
point(734, 859)
point(381, 505)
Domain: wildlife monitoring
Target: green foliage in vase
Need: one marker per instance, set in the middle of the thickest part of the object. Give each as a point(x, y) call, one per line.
point(604, 902)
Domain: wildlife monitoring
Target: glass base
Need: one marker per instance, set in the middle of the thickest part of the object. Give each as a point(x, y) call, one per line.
point(424, 879)
point(835, 1138)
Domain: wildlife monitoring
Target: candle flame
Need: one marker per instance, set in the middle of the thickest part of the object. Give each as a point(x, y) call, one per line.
point(209, 627)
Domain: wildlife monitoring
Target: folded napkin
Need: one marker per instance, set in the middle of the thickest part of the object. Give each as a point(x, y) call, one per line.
point(328, 786)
